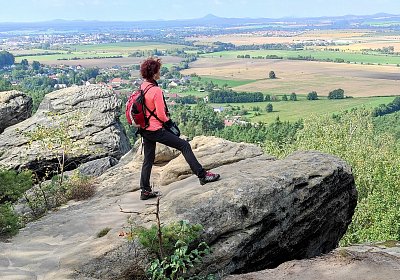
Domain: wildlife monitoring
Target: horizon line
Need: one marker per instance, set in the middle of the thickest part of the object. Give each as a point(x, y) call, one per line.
point(188, 19)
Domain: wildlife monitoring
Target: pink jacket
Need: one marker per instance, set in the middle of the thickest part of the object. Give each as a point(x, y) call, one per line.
point(154, 100)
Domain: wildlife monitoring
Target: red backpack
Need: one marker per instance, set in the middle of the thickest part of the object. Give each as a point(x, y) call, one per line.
point(135, 108)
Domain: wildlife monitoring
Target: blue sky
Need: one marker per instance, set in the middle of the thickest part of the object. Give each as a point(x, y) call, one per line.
point(134, 10)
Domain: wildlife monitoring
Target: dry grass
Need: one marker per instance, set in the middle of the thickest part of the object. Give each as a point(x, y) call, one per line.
point(302, 76)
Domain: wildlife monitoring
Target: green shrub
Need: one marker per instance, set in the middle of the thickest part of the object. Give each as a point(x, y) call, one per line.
point(180, 254)
point(14, 184)
point(171, 234)
point(12, 187)
point(80, 187)
point(375, 161)
point(178, 264)
point(9, 221)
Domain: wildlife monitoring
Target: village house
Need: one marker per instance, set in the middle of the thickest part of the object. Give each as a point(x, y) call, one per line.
point(172, 84)
point(60, 86)
point(172, 96)
point(229, 122)
point(219, 109)
point(116, 82)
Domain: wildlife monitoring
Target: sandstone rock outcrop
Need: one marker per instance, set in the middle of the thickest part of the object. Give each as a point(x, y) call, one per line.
point(98, 109)
point(265, 212)
point(15, 107)
point(261, 213)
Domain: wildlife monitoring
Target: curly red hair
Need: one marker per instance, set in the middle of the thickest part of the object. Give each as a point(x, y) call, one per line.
point(150, 67)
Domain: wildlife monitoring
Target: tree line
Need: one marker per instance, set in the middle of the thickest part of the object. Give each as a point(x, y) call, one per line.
point(384, 109)
point(202, 120)
point(230, 96)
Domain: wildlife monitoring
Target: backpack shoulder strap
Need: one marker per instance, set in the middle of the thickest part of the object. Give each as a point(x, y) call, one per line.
point(145, 107)
point(146, 89)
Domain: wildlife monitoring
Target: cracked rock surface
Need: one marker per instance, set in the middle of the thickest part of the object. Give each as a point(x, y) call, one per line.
point(15, 107)
point(96, 112)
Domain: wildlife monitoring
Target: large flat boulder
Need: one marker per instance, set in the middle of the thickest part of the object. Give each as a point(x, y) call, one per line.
point(15, 107)
point(95, 112)
point(265, 212)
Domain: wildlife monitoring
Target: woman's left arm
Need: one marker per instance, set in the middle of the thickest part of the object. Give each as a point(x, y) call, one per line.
point(160, 106)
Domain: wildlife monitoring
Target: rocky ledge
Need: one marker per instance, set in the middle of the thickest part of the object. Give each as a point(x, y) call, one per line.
point(263, 212)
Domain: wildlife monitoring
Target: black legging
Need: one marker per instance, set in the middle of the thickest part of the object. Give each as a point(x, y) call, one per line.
point(167, 138)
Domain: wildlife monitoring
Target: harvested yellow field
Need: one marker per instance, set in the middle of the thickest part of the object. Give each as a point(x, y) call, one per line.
point(302, 76)
point(395, 42)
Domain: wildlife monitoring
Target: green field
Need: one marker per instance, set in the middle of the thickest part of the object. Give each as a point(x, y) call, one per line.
point(317, 54)
point(66, 56)
point(294, 110)
point(219, 82)
point(229, 83)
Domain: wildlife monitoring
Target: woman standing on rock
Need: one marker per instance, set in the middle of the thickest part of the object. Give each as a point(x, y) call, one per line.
point(155, 132)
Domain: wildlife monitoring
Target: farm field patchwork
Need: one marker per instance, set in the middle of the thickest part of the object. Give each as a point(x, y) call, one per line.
point(344, 39)
point(301, 77)
point(96, 52)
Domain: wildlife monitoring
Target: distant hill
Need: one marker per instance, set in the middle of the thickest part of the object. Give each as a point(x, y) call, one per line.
point(210, 21)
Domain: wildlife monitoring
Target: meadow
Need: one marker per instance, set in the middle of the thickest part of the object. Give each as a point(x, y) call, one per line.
point(303, 108)
point(224, 82)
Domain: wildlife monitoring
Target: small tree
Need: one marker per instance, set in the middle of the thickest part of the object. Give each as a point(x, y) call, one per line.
point(36, 65)
point(269, 108)
point(284, 97)
point(272, 75)
point(60, 138)
point(24, 63)
point(312, 95)
point(336, 94)
point(267, 97)
point(293, 97)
